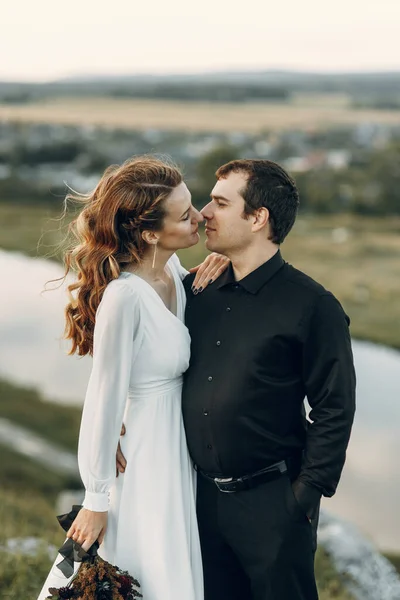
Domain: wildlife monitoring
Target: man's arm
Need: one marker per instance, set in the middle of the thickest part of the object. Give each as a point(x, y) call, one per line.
point(329, 379)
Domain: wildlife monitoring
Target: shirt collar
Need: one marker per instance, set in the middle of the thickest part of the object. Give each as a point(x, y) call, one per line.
point(256, 279)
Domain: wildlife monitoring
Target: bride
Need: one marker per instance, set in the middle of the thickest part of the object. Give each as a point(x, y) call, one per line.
point(127, 310)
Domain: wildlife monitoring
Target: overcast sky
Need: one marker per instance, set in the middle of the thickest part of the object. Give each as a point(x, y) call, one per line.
point(46, 39)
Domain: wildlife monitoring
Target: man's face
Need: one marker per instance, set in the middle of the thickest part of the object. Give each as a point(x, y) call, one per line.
point(226, 229)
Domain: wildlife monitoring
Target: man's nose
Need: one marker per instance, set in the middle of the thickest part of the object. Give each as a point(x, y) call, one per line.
point(206, 212)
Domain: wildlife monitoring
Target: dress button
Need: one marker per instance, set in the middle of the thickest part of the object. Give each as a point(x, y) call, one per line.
point(228, 309)
point(218, 343)
point(210, 378)
point(209, 446)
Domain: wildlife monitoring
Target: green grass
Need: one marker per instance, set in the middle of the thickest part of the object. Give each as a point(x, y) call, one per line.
point(55, 422)
point(394, 559)
point(24, 515)
point(24, 476)
point(330, 584)
point(33, 229)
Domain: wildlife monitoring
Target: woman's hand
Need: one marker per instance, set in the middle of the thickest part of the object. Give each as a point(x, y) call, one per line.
point(208, 271)
point(88, 527)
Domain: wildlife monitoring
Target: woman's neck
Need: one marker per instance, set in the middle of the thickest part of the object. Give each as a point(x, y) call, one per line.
point(150, 268)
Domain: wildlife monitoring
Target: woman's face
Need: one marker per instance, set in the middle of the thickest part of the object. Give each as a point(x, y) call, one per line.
point(181, 222)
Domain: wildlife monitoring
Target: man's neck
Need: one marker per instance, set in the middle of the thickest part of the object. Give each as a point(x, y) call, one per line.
point(250, 259)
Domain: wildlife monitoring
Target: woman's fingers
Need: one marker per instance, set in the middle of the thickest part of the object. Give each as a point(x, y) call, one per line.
point(213, 271)
point(211, 276)
point(87, 527)
point(204, 269)
point(71, 531)
point(200, 271)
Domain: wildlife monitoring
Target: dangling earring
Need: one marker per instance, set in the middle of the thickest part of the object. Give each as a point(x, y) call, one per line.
point(154, 255)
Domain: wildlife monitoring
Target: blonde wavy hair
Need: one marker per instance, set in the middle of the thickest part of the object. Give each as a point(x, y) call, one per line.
point(107, 233)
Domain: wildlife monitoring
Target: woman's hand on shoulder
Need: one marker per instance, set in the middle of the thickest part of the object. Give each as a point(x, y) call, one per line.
point(209, 270)
point(88, 527)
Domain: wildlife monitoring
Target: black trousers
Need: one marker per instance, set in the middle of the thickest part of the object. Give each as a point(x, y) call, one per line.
point(256, 544)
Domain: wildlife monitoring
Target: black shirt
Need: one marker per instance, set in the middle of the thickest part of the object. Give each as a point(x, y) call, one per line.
point(259, 346)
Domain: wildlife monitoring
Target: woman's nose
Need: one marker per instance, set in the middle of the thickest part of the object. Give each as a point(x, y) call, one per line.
point(198, 216)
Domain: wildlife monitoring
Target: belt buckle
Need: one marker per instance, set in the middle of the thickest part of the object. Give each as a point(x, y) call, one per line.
point(221, 480)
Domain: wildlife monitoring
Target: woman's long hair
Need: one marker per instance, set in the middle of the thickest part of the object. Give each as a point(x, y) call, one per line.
point(128, 200)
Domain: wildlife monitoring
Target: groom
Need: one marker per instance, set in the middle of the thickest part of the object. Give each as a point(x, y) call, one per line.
point(264, 336)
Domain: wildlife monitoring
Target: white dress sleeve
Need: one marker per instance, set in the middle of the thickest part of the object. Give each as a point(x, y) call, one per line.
point(177, 265)
point(117, 340)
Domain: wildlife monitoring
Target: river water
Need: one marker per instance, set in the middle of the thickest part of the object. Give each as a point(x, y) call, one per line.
point(32, 354)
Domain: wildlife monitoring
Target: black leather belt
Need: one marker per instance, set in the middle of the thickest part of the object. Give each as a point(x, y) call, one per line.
point(229, 485)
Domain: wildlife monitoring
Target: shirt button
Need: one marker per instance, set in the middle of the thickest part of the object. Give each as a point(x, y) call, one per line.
point(210, 378)
point(228, 309)
point(218, 343)
point(236, 287)
point(209, 446)
point(205, 413)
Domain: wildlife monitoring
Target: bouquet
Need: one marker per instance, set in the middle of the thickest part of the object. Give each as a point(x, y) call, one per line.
point(96, 578)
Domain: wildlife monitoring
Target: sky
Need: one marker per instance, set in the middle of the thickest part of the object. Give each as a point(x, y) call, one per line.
point(45, 40)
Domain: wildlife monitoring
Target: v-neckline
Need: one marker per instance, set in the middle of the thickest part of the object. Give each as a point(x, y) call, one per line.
point(158, 295)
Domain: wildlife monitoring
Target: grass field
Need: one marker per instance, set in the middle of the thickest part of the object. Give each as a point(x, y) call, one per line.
point(302, 112)
point(357, 258)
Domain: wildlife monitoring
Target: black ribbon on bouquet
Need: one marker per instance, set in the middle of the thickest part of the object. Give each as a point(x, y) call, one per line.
point(71, 550)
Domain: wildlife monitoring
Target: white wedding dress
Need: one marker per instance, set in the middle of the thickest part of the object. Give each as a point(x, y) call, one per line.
point(141, 350)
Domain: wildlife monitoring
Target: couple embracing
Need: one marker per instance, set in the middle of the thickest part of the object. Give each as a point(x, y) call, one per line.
point(221, 473)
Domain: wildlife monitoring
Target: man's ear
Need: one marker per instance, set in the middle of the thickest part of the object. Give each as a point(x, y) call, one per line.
point(150, 237)
point(260, 218)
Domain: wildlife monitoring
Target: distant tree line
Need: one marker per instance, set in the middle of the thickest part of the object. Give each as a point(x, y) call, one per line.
point(370, 184)
point(210, 92)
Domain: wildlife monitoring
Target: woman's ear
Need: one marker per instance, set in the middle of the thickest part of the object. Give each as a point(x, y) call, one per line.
point(150, 237)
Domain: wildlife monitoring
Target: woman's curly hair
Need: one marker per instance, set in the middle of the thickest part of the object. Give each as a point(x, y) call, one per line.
point(128, 200)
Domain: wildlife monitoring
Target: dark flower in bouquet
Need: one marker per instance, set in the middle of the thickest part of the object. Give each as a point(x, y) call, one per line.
point(96, 579)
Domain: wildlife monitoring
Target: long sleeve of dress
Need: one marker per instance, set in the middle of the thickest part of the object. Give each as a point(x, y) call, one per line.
point(117, 339)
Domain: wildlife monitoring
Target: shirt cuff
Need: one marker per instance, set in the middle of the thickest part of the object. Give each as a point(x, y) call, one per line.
point(96, 501)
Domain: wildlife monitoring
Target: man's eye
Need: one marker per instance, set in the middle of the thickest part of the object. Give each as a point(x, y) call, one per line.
point(187, 217)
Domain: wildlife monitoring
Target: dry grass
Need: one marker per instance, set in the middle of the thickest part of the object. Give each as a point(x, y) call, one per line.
point(302, 113)
point(363, 271)
point(358, 259)
point(362, 267)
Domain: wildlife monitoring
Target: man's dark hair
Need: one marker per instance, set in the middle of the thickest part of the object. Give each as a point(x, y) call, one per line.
point(268, 185)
